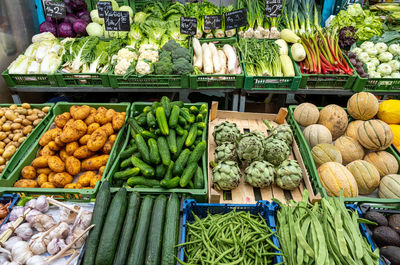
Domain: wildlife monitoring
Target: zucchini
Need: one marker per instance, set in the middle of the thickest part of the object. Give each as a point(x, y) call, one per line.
point(171, 139)
point(127, 229)
point(146, 169)
point(180, 163)
point(198, 152)
point(164, 150)
point(168, 174)
point(130, 172)
point(160, 171)
point(180, 142)
point(165, 103)
point(170, 183)
point(143, 148)
point(151, 120)
point(154, 154)
point(129, 152)
point(179, 130)
point(142, 181)
point(171, 231)
point(198, 178)
point(148, 134)
point(126, 163)
point(194, 110)
point(188, 174)
point(138, 246)
point(162, 120)
point(191, 136)
point(112, 229)
point(99, 214)
point(135, 126)
point(154, 239)
point(173, 118)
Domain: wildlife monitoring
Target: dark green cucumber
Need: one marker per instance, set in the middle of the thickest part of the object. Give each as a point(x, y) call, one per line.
point(180, 142)
point(130, 172)
point(147, 109)
point(154, 154)
point(191, 185)
point(188, 174)
point(179, 130)
point(135, 126)
point(198, 179)
point(132, 142)
point(194, 110)
point(170, 183)
point(168, 174)
point(154, 239)
point(151, 120)
point(146, 169)
point(164, 150)
point(173, 118)
point(165, 103)
point(181, 162)
point(191, 136)
point(171, 139)
point(160, 171)
point(182, 121)
point(154, 106)
point(162, 120)
point(129, 152)
point(198, 152)
point(201, 125)
point(103, 199)
point(138, 245)
point(199, 118)
point(171, 231)
point(142, 181)
point(136, 113)
point(141, 119)
point(148, 135)
point(178, 103)
point(112, 229)
point(199, 133)
point(143, 148)
point(127, 229)
point(126, 163)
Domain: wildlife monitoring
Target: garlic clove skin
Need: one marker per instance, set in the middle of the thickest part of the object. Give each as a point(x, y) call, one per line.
point(15, 213)
point(11, 242)
point(31, 215)
point(37, 244)
point(24, 231)
point(36, 260)
point(42, 204)
point(20, 252)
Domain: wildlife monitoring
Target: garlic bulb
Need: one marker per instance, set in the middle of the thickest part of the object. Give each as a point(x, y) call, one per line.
point(77, 231)
point(11, 263)
point(43, 222)
point(20, 252)
point(61, 231)
point(31, 215)
point(24, 231)
point(68, 216)
point(85, 219)
point(53, 247)
point(30, 204)
point(36, 260)
point(15, 213)
point(38, 244)
point(42, 204)
point(11, 242)
point(4, 258)
point(5, 227)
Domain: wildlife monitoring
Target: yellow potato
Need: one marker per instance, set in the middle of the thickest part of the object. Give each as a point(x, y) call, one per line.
point(94, 180)
point(79, 112)
point(26, 183)
point(90, 119)
point(56, 164)
point(46, 151)
point(83, 152)
point(53, 146)
point(72, 133)
point(97, 140)
point(28, 172)
point(118, 120)
point(40, 162)
point(109, 114)
point(42, 178)
point(85, 178)
point(109, 144)
point(46, 171)
point(100, 116)
point(9, 151)
point(84, 139)
point(63, 155)
point(108, 128)
point(48, 185)
point(94, 163)
point(62, 119)
point(91, 128)
point(73, 186)
point(71, 148)
point(62, 179)
point(72, 165)
point(101, 170)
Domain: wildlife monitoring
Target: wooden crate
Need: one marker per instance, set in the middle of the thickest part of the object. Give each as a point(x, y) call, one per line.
point(244, 193)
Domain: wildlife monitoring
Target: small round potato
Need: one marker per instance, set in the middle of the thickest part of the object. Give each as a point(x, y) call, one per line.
point(85, 178)
point(26, 183)
point(45, 171)
point(71, 148)
point(41, 162)
point(73, 186)
point(28, 172)
point(26, 105)
point(46, 109)
point(56, 164)
point(94, 180)
point(101, 170)
point(48, 185)
point(62, 179)
point(42, 178)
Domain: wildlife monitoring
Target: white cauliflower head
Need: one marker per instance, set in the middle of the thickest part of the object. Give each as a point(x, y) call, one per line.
point(149, 55)
point(126, 54)
point(143, 68)
point(121, 67)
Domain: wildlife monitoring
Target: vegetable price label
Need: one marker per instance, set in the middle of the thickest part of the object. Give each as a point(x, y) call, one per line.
point(212, 22)
point(55, 9)
point(273, 8)
point(236, 19)
point(188, 25)
point(117, 21)
point(103, 8)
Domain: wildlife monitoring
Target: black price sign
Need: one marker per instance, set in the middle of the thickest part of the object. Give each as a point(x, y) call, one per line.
point(273, 8)
point(117, 21)
point(104, 7)
point(188, 25)
point(212, 22)
point(55, 9)
point(236, 19)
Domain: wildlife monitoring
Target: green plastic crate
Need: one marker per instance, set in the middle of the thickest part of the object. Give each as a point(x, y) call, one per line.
point(83, 80)
point(377, 85)
point(312, 170)
point(149, 81)
point(30, 80)
point(199, 195)
point(319, 81)
point(6, 185)
point(217, 81)
point(30, 139)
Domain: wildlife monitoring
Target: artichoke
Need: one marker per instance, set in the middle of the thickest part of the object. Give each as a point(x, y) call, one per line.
point(226, 132)
point(276, 151)
point(288, 175)
point(225, 152)
point(282, 132)
point(250, 148)
point(226, 175)
point(260, 174)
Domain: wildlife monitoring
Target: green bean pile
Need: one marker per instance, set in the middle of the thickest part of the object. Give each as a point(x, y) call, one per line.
point(232, 238)
point(323, 233)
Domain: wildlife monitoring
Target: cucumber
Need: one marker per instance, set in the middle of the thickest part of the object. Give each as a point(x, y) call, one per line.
point(164, 150)
point(154, 239)
point(130, 172)
point(170, 183)
point(128, 152)
point(143, 148)
point(187, 174)
point(194, 110)
point(126, 163)
point(191, 185)
point(147, 109)
point(199, 133)
point(198, 179)
point(180, 142)
point(135, 126)
point(147, 170)
point(198, 152)
point(179, 130)
point(199, 118)
point(173, 118)
point(160, 171)
point(168, 174)
point(162, 120)
point(171, 139)
point(132, 142)
point(142, 181)
point(171, 231)
point(154, 154)
point(148, 135)
point(99, 214)
point(180, 163)
point(201, 125)
point(165, 103)
point(154, 106)
point(112, 229)
point(191, 136)
point(178, 103)
point(190, 118)
point(151, 120)
point(138, 245)
point(182, 120)
point(142, 119)
point(136, 113)
point(127, 229)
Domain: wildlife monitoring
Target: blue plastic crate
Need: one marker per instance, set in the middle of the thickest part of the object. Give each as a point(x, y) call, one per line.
point(266, 209)
point(6, 198)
